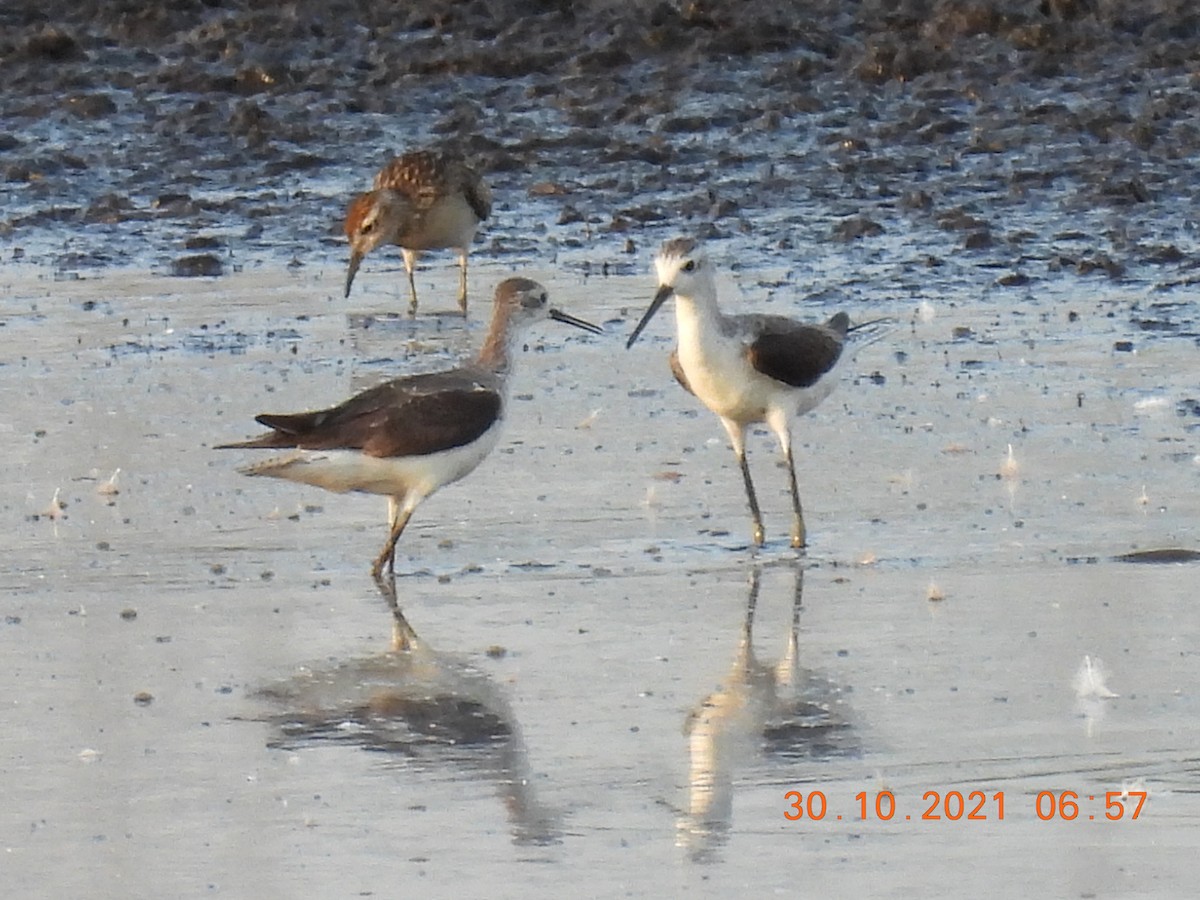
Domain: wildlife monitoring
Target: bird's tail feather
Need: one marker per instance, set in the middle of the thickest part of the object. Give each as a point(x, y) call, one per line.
point(272, 440)
point(276, 466)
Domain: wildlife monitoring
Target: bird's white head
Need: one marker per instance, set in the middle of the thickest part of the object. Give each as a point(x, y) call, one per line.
point(683, 271)
point(683, 266)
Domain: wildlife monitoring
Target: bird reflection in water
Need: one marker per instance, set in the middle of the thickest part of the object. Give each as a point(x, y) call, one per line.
point(782, 711)
point(425, 706)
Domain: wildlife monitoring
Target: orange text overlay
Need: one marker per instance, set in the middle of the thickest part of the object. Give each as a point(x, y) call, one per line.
point(966, 806)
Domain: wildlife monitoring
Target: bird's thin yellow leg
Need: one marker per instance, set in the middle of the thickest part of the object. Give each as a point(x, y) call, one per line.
point(737, 437)
point(799, 532)
point(755, 515)
point(462, 283)
point(404, 639)
point(387, 557)
point(410, 266)
point(777, 419)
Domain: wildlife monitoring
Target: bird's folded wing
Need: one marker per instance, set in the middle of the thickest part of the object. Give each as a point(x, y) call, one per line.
point(677, 371)
point(433, 423)
point(477, 194)
point(412, 416)
point(420, 176)
point(797, 356)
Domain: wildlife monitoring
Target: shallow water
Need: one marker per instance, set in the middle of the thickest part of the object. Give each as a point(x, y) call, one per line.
point(243, 729)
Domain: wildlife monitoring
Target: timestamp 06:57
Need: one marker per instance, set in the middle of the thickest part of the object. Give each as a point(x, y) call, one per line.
point(967, 806)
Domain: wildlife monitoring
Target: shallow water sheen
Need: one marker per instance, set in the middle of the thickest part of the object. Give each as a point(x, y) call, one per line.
point(205, 699)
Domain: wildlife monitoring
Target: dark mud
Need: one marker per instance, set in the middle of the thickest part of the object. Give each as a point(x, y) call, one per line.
point(1019, 141)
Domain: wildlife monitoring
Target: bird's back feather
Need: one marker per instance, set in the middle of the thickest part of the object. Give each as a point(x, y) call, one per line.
point(414, 416)
point(794, 353)
point(425, 177)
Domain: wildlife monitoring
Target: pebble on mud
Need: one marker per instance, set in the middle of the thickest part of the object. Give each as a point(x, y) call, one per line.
point(143, 698)
point(569, 215)
point(548, 189)
point(202, 242)
point(54, 45)
point(916, 200)
point(856, 227)
point(202, 265)
point(978, 240)
point(90, 106)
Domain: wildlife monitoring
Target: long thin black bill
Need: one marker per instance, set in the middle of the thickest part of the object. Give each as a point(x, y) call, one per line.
point(559, 316)
point(355, 260)
point(659, 299)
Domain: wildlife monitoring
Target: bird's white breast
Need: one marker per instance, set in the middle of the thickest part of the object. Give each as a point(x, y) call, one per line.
point(450, 222)
point(713, 356)
point(351, 470)
point(717, 368)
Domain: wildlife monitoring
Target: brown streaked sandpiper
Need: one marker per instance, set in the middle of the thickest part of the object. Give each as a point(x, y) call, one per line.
point(421, 201)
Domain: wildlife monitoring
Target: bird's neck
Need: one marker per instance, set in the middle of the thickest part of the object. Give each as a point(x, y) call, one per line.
point(397, 215)
point(698, 317)
point(500, 344)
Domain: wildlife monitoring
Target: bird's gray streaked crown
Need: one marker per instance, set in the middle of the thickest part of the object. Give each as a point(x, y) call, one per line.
point(679, 247)
point(511, 289)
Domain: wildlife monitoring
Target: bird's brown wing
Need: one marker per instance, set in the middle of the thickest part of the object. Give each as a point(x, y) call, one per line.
point(420, 176)
point(677, 371)
point(797, 354)
point(476, 192)
point(424, 177)
point(432, 423)
point(412, 416)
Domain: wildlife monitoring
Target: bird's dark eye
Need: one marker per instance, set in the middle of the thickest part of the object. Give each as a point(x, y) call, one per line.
point(689, 266)
point(367, 227)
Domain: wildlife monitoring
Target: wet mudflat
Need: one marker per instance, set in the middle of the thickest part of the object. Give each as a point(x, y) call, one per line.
point(204, 699)
point(596, 682)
